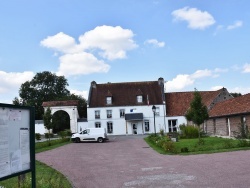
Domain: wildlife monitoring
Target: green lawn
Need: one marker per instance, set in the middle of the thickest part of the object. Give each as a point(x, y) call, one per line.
point(46, 177)
point(192, 146)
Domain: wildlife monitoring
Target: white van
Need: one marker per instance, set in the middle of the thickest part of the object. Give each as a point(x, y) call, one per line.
point(90, 134)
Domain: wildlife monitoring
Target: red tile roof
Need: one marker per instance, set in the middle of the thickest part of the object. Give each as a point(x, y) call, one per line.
point(177, 103)
point(60, 103)
point(234, 106)
point(124, 94)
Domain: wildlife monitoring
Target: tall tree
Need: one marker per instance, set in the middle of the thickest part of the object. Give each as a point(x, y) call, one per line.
point(197, 113)
point(47, 120)
point(45, 86)
point(82, 104)
point(236, 94)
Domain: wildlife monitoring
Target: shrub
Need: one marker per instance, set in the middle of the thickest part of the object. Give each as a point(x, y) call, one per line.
point(169, 146)
point(38, 136)
point(243, 143)
point(184, 150)
point(228, 143)
point(189, 131)
point(161, 132)
point(62, 134)
point(49, 134)
point(242, 131)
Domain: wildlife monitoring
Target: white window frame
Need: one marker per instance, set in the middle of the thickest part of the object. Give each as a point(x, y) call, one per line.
point(146, 124)
point(171, 126)
point(122, 113)
point(139, 98)
point(110, 127)
point(98, 125)
point(109, 113)
point(108, 100)
point(97, 114)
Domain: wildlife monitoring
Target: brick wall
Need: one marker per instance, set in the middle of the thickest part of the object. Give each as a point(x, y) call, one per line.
point(219, 126)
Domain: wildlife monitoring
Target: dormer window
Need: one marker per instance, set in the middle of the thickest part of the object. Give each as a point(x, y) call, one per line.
point(109, 100)
point(139, 98)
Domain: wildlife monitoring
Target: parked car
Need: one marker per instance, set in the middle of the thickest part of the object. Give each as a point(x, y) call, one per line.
point(90, 134)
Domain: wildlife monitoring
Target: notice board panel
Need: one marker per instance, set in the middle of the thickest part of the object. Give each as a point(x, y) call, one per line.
point(17, 155)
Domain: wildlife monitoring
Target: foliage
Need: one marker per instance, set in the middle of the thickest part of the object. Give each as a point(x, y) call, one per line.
point(82, 103)
point(45, 86)
point(48, 135)
point(197, 113)
point(45, 177)
point(38, 136)
point(44, 146)
point(242, 132)
point(61, 121)
point(192, 146)
point(189, 131)
point(47, 119)
point(161, 132)
point(236, 94)
point(65, 133)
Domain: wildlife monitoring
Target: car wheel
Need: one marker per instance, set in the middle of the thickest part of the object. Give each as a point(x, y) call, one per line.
point(77, 140)
point(100, 140)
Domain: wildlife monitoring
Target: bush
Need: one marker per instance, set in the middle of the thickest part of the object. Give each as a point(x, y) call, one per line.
point(189, 131)
point(38, 136)
point(169, 147)
point(184, 150)
point(161, 132)
point(243, 143)
point(49, 134)
point(62, 134)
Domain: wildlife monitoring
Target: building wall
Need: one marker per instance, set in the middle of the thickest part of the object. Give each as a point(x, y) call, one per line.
point(121, 126)
point(225, 126)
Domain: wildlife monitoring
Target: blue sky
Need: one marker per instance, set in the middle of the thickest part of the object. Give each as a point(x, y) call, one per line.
point(190, 43)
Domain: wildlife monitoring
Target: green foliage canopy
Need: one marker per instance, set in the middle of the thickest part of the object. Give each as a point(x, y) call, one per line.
point(197, 112)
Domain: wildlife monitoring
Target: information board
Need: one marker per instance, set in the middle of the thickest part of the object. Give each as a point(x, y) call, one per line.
point(17, 154)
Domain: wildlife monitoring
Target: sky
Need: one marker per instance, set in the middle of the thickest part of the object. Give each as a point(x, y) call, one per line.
point(190, 43)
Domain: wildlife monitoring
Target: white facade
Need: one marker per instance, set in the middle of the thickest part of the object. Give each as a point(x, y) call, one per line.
point(120, 126)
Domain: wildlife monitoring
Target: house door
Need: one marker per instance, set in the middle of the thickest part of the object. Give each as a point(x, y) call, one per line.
point(134, 128)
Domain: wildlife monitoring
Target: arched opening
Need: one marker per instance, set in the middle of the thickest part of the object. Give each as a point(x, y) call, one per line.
point(61, 121)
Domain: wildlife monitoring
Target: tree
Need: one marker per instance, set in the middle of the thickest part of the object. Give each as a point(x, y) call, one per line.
point(45, 86)
point(236, 94)
point(197, 113)
point(82, 103)
point(47, 120)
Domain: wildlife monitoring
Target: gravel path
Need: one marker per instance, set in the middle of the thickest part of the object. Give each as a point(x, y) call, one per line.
point(128, 162)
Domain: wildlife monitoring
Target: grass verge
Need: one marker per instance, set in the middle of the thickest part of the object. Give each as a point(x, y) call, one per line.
point(46, 177)
point(192, 146)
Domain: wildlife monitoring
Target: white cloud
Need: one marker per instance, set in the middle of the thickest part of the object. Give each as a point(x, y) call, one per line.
point(79, 59)
point(215, 88)
point(84, 94)
point(60, 42)
point(179, 82)
point(235, 25)
point(246, 68)
point(155, 43)
point(242, 90)
point(10, 84)
point(113, 41)
point(196, 18)
point(182, 81)
point(81, 64)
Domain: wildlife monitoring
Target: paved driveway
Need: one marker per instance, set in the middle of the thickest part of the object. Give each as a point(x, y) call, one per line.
point(127, 161)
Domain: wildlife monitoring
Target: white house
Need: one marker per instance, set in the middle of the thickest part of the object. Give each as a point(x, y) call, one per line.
point(126, 108)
